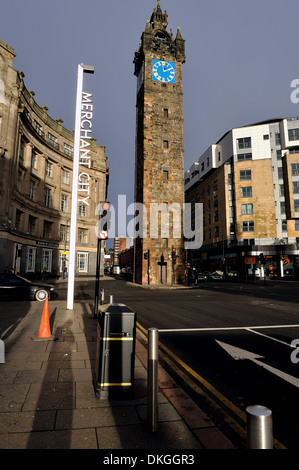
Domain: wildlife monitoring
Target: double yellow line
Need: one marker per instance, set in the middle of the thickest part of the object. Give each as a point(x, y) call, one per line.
point(214, 397)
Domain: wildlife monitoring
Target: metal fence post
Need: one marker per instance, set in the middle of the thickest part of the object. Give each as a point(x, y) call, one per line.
point(152, 379)
point(259, 427)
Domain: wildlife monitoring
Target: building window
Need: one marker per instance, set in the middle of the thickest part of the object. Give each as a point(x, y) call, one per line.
point(18, 219)
point(280, 173)
point(215, 185)
point(31, 225)
point(30, 259)
point(47, 232)
point(165, 174)
point(82, 235)
point(247, 209)
point(281, 190)
point(64, 233)
point(31, 189)
point(83, 183)
point(47, 197)
point(245, 175)
point(47, 260)
point(246, 191)
point(164, 242)
point(38, 128)
point(244, 156)
point(244, 143)
point(19, 179)
point(65, 176)
point(284, 225)
point(293, 134)
point(82, 209)
point(165, 144)
point(278, 154)
point(22, 151)
point(296, 225)
point(277, 138)
point(215, 201)
point(248, 226)
point(67, 149)
point(295, 169)
point(266, 137)
point(33, 159)
point(217, 231)
point(82, 262)
point(64, 203)
point(165, 111)
point(296, 187)
point(52, 140)
point(49, 169)
point(296, 205)
point(283, 207)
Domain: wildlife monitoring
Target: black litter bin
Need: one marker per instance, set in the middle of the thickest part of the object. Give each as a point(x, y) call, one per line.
point(115, 357)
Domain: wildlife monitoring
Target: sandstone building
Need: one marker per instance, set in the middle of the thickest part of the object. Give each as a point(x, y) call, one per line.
point(248, 183)
point(159, 156)
point(36, 159)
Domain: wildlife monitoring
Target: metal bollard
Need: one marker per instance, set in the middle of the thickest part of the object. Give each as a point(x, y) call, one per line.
point(111, 299)
point(102, 296)
point(259, 427)
point(152, 379)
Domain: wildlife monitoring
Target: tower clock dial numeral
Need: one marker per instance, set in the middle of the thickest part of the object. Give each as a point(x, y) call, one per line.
point(163, 71)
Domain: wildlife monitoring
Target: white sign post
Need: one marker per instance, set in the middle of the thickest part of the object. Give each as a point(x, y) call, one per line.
point(81, 132)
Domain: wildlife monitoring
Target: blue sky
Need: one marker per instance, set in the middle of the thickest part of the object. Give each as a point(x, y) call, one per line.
point(241, 59)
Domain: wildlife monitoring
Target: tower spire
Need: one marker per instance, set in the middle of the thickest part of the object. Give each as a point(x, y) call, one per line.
point(159, 19)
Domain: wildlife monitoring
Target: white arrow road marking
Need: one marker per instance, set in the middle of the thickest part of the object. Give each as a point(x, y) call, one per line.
point(238, 354)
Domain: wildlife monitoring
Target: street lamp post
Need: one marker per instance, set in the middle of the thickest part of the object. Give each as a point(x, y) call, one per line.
point(73, 228)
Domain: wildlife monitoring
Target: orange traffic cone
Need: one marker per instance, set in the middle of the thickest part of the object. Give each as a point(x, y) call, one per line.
point(44, 333)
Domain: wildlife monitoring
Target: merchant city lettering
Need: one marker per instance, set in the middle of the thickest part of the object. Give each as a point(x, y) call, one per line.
point(84, 151)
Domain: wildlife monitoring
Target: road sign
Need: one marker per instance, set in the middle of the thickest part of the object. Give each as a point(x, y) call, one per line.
point(103, 234)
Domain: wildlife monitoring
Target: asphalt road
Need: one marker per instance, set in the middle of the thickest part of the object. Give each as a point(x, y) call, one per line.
point(239, 353)
point(229, 345)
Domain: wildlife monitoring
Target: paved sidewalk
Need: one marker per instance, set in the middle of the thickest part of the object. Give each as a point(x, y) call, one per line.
point(48, 400)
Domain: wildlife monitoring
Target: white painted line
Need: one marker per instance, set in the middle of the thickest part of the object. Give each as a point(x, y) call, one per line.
point(228, 328)
point(270, 337)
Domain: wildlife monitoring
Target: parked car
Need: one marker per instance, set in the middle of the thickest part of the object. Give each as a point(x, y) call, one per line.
point(201, 277)
point(213, 276)
point(17, 287)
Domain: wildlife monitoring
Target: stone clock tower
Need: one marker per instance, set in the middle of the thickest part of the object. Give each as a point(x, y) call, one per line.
point(159, 159)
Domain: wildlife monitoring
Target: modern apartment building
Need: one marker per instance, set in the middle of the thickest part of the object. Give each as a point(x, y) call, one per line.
point(36, 161)
point(248, 183)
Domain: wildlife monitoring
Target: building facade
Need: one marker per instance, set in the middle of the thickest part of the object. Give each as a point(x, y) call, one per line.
point(36, 160)
point(159, 160)
point(248, 183)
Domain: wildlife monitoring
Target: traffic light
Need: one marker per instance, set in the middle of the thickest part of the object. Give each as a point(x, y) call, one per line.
point(105, 216)
point(173, 255)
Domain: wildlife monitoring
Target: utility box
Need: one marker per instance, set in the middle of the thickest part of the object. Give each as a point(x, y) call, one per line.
point(115, 356)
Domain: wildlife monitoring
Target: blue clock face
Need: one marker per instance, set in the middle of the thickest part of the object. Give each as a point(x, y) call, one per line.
point(163, 71)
